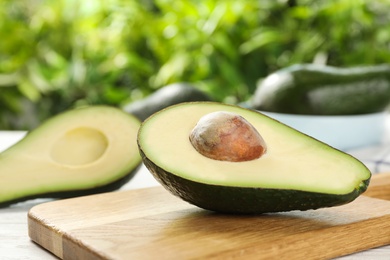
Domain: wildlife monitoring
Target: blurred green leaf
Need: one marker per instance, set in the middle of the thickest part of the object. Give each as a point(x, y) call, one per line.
point(28, 90)
point(261, 38)
point(55, 55)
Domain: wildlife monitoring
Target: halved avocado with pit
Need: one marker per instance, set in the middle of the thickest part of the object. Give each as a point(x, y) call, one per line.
point(296, 172)
point(79, 152)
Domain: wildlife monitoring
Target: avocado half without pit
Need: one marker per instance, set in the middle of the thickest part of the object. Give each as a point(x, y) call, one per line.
point(79, 152)
point(230, 159)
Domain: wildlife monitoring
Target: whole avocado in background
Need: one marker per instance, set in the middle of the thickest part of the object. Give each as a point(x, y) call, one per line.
point(324, 90)
point(164, 97)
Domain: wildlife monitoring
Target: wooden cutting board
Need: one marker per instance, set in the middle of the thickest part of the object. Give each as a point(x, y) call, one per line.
point(152, 224)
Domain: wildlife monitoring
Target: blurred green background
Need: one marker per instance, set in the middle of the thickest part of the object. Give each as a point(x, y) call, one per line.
point(57, 55)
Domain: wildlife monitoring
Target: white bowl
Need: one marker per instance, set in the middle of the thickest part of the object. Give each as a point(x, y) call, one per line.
point(344, 132)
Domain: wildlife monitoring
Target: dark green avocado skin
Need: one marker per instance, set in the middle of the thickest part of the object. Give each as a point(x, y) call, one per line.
point(239, 200)
point(76, 193)
point(166, 96)
point(324, 90)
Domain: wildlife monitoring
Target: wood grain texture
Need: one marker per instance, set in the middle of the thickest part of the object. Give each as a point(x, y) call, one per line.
point(152, 224)
point(379, 187)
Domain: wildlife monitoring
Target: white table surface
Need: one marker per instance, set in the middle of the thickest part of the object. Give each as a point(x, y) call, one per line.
point(15, 243)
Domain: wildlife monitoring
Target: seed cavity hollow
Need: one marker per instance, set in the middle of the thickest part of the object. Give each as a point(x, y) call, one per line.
point(79, 146)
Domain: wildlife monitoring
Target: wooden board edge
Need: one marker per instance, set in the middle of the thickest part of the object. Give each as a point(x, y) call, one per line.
point(73, 248)
point(44, 234)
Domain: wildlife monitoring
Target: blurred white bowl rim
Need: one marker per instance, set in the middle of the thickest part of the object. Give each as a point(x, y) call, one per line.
point(343, 132)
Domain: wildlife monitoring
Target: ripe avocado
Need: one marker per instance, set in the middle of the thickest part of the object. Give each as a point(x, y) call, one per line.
point(166, 96)
point(324, 90)
point(79, 152)
point(296, 172)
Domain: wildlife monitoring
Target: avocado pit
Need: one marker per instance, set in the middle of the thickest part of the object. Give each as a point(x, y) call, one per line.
point(227, 136)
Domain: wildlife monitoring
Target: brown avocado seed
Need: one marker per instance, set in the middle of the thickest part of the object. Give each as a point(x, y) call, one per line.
point(227, 136)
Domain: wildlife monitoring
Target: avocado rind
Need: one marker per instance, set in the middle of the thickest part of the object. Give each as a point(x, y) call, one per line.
point(240, 200)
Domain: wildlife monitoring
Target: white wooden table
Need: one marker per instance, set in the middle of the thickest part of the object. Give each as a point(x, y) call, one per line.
point(16, 245)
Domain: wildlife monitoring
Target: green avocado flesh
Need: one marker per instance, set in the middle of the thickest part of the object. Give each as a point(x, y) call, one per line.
point(296, 173)
point(79, 152)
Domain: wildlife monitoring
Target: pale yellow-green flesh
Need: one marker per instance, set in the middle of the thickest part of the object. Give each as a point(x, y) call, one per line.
point(292, 161)
point(79, 149)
